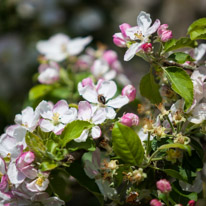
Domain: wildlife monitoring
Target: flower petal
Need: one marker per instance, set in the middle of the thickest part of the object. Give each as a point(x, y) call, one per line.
point(133, 49)
point(83, 136)
point(84, 111)
point(96, 132)
point(153, 28)
point(118, 102)
point(144, 21)
point(110, 113)
point(46, 125)
point(99, 116)
point(107, 89)
point(90, 94)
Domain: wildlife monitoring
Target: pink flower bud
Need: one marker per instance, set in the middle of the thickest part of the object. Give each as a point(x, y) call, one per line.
point(87, 81)
point(123, 28)
point(147, 47)
point(110, 56)
point(164, 34)
point(162, 28)
point(130, 92)
point(164, 186)
point(155, 202)
point(119, 40)
point(191, 203)
point(129, 119)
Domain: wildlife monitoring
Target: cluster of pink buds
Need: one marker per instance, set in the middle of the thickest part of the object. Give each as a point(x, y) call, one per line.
point(163, 33)
point(164, 186)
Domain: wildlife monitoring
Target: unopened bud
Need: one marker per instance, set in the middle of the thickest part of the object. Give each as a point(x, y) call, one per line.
point(129, 119)
point(130, 92)
point(164, 186)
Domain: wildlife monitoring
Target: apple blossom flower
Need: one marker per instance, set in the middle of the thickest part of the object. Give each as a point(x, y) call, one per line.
point(88, 113)
point(101, 95)
point(110, 56)
point(48, 73)
point(40, 183)
point(56, 117)
point(60, 46)
point(22, 168)
point(12, 142)
point(139, 34)
point(164, 186)
point(163, 33)
point(155, 202)
point(120, 39)
point(129, 119)
point(130, 92)
point(28, 119)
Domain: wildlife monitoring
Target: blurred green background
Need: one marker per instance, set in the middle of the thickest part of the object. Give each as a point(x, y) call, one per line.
point(24, 22)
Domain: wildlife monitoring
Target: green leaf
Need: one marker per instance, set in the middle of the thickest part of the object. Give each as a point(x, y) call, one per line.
point(61, 93)
point(197, 30)
point(127, 144)
point(88, 145)
point(180, 57)
point(150, 89)
point(35, 144)
point(47, 165)
point(181, 84)
point(177, 189)
point(176, 145)
point(73, 130)
point(39, 91)
point(174, 173)
point(174, 44)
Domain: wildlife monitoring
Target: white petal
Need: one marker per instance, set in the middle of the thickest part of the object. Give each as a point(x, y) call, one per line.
point(99, 116)
point(49, 76)
point(90, 94)
point(61, 107)
point(110, 113)
point(84, 111)
point(59, 128)
point(46, 125)
point(153, 28)
point(198, 114)
point(77, 45)
point(15, 176)
point(83, 136)
point(199, 52)
point(96, 132)
point(133, 49)
point(110, 75)
point(2, 166)
point(144, 21)
point(107, 89)
point(99, 68)
point(69, 116)
point(118, 102)
point(45, 110)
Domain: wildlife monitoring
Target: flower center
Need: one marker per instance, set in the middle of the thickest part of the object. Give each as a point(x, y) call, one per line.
point(55, 118)
point(40, 181)
point(139, 36)
point(64, 48)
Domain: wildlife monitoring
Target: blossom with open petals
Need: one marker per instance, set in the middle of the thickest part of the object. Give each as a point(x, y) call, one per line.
point(55, 117)
point(139, 35)
point(48, 73)
point(60, 46)
point(101, 95)
point(87, 112)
